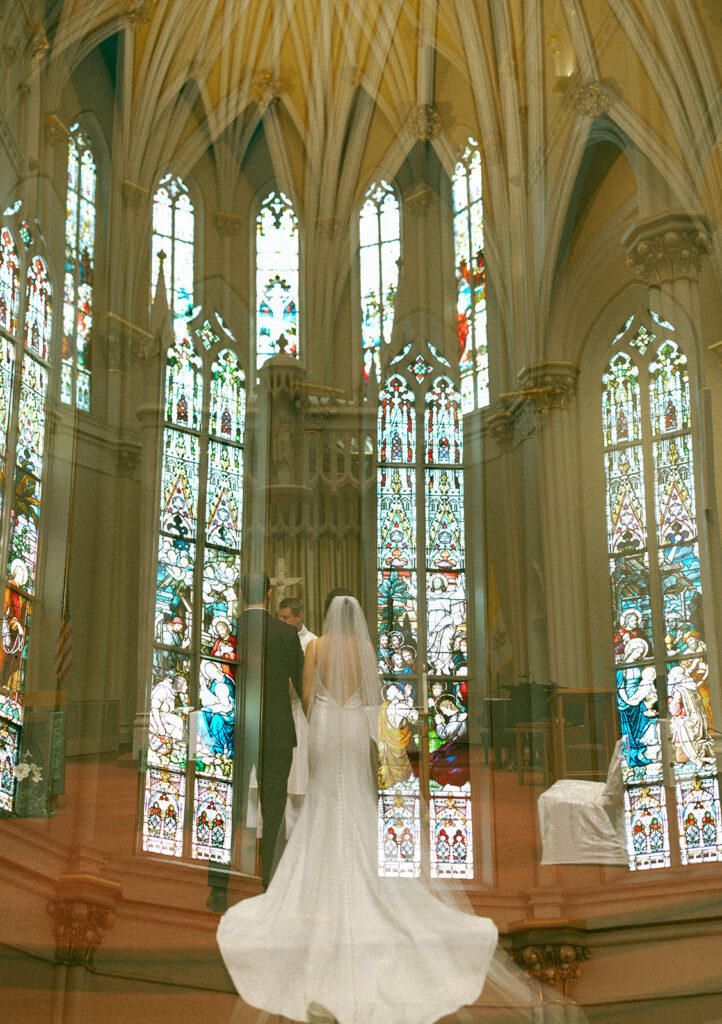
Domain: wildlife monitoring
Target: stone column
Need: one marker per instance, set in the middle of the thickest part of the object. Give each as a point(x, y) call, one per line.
point(551, 387)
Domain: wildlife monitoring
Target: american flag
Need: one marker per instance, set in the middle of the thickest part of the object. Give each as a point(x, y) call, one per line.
point(64, 652)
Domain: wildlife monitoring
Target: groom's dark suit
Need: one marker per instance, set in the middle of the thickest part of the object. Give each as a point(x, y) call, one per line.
point(269, 654)
point(270, 650)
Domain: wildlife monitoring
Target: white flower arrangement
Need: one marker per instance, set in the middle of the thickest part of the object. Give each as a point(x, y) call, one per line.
point(27, 768)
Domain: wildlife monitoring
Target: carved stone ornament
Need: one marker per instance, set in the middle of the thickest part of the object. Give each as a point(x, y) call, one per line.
point(499, 426)
point(592, 100)
point(668, 247)
point(555, 964)
point(141, 11)
point(55, 130)
point(424, 123)
point(127, 455)
point(82, 912)
point(548, 385)
point(39, 44)
point(265, 89)
point(228, 224)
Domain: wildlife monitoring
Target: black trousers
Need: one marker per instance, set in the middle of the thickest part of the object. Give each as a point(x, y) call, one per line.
point(275, 768)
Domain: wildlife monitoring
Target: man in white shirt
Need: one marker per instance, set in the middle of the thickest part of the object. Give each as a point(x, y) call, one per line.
point(290, 610)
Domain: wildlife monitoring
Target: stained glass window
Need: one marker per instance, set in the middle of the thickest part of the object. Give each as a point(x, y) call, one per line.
point(79, 263)
point(277, 282)
point(470, 278)
point(173, 237)
point(189, 779)
point(422, 623)
point(25, 337)
point(380, 248)
point(656, 595)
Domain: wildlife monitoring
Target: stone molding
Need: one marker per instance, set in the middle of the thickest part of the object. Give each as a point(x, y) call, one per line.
point(141, 11)
point(39, 44)
point(592, 100)
point(55, 130)
point(424, 123)
point(546, 386)
point(265, 89)
point(668, 246)
point(228, 224)
point(82, 911)
point(418, 198)
point(551, 952)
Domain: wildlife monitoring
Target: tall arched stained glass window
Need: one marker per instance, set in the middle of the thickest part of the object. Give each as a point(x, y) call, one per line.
point(422, 621)
point(277, 278)
point(189, 778)
point(470, 279)
point(659, 638)
point(173, 235)
point(79, 263)
point(25, 336)
point(380, 248)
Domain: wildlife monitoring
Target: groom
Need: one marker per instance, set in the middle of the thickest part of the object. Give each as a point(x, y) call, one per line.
point(269, 655)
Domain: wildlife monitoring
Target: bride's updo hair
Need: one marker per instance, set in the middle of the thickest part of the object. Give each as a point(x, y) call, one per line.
point(336, 592)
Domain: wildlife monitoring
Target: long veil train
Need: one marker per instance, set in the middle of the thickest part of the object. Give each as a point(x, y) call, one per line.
point(329, 936)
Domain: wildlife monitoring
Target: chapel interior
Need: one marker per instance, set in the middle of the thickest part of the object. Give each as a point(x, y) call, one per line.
point(421, 298)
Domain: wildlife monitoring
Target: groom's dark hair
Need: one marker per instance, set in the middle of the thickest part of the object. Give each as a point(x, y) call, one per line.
point(254, 587)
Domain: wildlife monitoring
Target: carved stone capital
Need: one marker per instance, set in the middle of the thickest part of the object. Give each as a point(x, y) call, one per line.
point(127, 454)
point(551, 952)
point(55, 130)
point(548, 385)
point(424, 123)
point(592, 99)
point(133, 193)
point(82, 911)
point(228, 224)
point(265, 89)
point(418, 198)
point(669, 246)
point(39, 44)
point(141, 11)
point(716, 349)
point(499, 426)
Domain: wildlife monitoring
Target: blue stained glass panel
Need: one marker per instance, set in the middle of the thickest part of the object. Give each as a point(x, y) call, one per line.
point(631, 603)
point(9, 751)
point(220, 580)
point(183, 385)
point(174, 592)
point(444, 438)
point(396, 423)
point(681, 597)
point(216, 719)
point(621, 402)
point(452, 854)
point(399, 820)
point(626, 516)
point(638, 709)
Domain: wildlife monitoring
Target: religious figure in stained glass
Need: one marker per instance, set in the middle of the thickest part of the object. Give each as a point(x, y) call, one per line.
point(379, 253)
point(277, 278)
point(200, 516)
point(649, 450)
point(470, 278)
point(25, 346)
point(78, 278)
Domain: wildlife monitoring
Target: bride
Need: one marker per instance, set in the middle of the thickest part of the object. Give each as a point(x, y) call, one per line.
point(329, 937)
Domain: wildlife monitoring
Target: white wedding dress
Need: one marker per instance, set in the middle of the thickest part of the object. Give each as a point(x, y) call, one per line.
point(329, 930)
